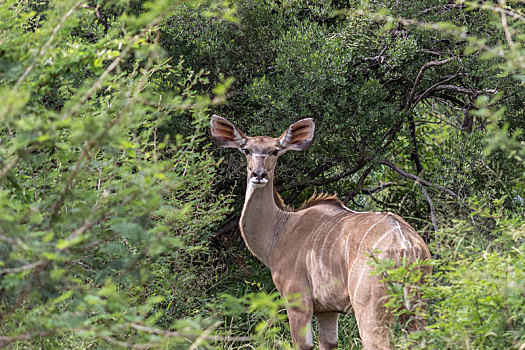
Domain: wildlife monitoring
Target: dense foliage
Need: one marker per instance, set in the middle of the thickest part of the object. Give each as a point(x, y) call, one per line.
point(118, 218)
point(104, 214)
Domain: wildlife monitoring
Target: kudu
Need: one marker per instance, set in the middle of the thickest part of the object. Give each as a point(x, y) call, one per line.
point(319, 255)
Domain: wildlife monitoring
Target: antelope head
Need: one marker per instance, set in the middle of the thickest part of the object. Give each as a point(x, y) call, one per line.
point(261, 151)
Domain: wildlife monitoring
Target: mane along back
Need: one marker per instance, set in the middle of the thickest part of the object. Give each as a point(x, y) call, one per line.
point(315, 199)
point(322, 198)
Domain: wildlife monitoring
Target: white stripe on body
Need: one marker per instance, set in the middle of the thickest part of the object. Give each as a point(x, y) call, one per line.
point(322, 248)
point(382, 237)
point(343, 232)
point(359, 249)
point(373, 247)
point(311, 255)
point(405, 243)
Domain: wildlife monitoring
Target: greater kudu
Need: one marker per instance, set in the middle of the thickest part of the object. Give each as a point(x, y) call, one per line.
point(319, 254)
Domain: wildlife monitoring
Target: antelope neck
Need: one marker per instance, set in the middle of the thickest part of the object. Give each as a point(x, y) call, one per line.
point(261, 220)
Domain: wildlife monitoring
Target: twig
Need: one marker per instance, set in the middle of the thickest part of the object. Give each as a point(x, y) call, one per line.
point(57, 204)
point(379, 58)
point(22, 268)
point(444, 7)
point(466, 91)
point(416, 178)
point(38, 270)
point(97, 85)
point(88, 223)
point(201, 338)
point(378, 201)
point(414, 154)
point(6, 340)
point(296, 190)
point(55, 207)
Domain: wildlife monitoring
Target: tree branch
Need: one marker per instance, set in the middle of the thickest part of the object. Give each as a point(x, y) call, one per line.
point(6, 340)
point(22, 268)
point(361, 180)
point(420, 76)
point(431, 205)
point(299, 186)
point(16, 241)
point(471, 92)
point(298, 189)
point(379, 58)
point(433, 87)
point(414, 154)
point(416, 178)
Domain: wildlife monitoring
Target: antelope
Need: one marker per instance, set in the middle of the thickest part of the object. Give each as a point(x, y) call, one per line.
point(318, 255)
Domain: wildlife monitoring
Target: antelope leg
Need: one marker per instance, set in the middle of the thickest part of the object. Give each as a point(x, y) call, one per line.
point(301, 328)
point(327, 322)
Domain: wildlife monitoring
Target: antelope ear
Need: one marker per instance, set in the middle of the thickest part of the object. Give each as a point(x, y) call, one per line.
point(225, 134)
point(299, 135)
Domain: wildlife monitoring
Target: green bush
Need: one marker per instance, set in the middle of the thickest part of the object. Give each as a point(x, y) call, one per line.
point(106, 209)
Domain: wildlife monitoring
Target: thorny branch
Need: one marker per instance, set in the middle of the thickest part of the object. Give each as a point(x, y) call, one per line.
point(127, 345)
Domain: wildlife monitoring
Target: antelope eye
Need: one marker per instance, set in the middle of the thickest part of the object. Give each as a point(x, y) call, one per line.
point(275, 153)
point(246, 151)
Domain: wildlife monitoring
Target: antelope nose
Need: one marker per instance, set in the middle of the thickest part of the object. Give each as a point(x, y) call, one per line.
point(259, 174)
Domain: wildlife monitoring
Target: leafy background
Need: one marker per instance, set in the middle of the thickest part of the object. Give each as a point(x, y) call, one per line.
point(118, 217)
